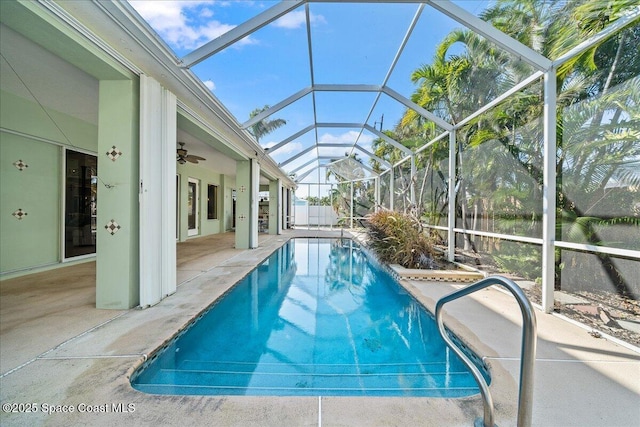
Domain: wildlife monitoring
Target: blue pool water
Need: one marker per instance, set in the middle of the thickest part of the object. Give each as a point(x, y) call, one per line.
point(317, 318)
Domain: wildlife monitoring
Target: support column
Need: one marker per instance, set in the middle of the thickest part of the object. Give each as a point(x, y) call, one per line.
point(247, 188)
point(351, 199)
point(412, 182)
point(275, 207)
point(283, 218)
point(286, 208)
point(117, 255)
point(255, 204)
point(451, 223)
point(391, 188)
point(331, 204)
point(549, 191)
point(224, 198)
point(376, 182)
point(158, 132)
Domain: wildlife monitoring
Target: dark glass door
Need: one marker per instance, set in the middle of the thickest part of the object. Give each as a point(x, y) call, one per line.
point(81, 200)
point(192, 208)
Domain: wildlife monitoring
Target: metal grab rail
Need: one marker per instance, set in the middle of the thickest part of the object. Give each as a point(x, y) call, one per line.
point(527, 354)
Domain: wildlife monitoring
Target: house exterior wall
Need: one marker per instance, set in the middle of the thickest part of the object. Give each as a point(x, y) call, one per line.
point(117, 269)
point(67, 84)
point(33, 240)
point(37, 137)
point(205, 176)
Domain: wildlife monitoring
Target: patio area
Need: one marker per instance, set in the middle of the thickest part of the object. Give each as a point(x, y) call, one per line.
point(61, 354)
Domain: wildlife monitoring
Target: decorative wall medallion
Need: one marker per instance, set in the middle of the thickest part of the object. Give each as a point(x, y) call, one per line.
point(20, 164)
point(112, 227)
point(19, 214)
point(114, 153)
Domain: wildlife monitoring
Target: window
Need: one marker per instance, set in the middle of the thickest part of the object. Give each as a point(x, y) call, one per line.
point(212, 201)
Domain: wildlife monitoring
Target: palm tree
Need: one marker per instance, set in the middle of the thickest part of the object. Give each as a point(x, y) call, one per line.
point(525, 20)
point(605, 142)
point(264, 126)
point(450, 87)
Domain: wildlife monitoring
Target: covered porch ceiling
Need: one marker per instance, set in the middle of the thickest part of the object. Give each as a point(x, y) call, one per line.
point(334, 75)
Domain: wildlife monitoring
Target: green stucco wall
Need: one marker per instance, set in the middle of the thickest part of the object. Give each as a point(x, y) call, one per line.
point(205, 177)
point(117, 269)
point(34, 241)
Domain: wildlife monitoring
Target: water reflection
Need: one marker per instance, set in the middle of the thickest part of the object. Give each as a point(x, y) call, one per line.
point(315, 319)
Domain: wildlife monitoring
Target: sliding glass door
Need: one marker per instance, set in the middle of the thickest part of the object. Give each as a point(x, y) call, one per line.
point(80, 204)
point(193, 207)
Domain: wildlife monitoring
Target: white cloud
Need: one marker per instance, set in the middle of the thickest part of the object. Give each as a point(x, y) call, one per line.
point(206, 13)
point(172, 21)
point(286, 148)
point(293, 20)
point(210, 85)
point(348, 137)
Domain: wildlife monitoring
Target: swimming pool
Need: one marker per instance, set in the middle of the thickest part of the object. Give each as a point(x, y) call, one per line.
point(317, 318)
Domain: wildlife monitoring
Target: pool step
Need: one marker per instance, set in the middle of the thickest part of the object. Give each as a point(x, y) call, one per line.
point(319, 369)
point(197, 377)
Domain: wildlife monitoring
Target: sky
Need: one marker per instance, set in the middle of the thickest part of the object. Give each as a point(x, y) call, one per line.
point(351, 44)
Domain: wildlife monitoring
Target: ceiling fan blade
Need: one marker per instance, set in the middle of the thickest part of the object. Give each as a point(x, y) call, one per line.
point(193, 156)
point(191, 159)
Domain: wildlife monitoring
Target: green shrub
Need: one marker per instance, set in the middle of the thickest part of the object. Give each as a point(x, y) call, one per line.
point(399, 239)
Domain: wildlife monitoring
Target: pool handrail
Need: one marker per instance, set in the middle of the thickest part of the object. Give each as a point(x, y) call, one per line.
point(527, 353)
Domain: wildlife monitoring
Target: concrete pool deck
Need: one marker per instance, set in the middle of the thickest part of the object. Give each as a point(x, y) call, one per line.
point(59, 353)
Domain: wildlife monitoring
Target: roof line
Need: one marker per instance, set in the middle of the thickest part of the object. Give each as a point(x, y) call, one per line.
point(303, 152)
point(358, 147)
point(238, 33)
point(396, 58)
point(279, 106)
point(418, 109)
point(315, 159)
point(291, 138)
point(476, 24)
point(388, 139)
point(488, 31)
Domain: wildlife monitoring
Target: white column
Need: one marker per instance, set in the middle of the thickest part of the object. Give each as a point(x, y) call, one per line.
point(412, 181)
point(255, 208)
point(158, 123)
point(331, 203)
point(391, 189)
point(243, 204)
point(451, 223)
point(351, 196)
point(169, 193)
point(275, 207)
point(284, 220)
point(376, 182)
point(549, 192)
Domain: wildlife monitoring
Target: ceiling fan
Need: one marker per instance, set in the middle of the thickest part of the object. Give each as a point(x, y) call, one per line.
point(183, 158)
